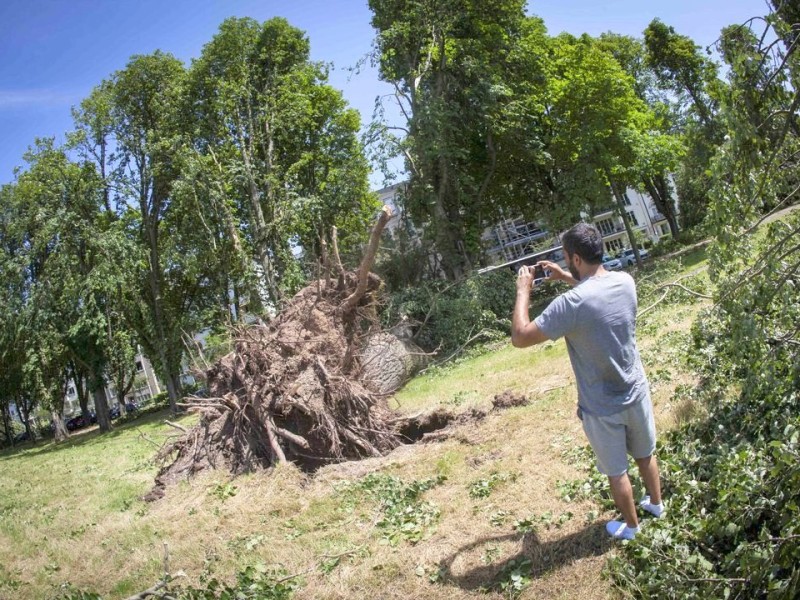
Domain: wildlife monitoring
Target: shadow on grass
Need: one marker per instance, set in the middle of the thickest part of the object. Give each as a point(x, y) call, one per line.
point(82, 439)
point(544, 557)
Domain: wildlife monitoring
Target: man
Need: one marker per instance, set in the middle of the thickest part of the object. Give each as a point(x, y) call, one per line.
point(597, 318)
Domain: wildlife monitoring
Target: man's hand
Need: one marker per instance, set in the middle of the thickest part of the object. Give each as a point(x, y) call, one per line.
point(554, 272)
point(524, 332)
point(524, 278)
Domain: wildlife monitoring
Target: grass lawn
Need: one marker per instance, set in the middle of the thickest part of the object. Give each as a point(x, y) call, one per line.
point(71, 512)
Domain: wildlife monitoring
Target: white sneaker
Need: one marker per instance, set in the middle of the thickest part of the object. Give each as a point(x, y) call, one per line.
point(657, 510)
point(619, 530)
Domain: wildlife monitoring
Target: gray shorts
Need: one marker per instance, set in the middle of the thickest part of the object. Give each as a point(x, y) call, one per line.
point(631, 431)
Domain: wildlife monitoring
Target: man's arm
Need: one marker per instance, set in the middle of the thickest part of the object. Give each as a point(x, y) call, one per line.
point(524, 332)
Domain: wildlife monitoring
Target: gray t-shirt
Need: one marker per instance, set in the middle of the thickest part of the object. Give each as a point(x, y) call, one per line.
point(598, 320)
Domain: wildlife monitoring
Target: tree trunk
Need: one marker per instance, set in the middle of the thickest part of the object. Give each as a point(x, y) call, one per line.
point(101, 408)
point(618, 196)
point(158, 316)
point(446, 242)
point(259, 225)
point(123, 382)
point(174, 389)
point(9, 432)
point(236, 317)
point(658, 188)
point(448, 226)
point(60, 429)
point(83, 395)
point(25, 413)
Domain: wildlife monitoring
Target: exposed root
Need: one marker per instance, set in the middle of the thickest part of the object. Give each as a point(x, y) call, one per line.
point(292, 389)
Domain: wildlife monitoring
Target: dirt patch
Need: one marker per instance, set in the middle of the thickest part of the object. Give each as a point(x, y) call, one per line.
point(509, 399)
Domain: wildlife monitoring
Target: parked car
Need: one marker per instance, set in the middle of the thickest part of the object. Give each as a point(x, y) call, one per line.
point(611, 264)
point(76, 422)
point(21, 437)
point(114, 412)
point(628, 258)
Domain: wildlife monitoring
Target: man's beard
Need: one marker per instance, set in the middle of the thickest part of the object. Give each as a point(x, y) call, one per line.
point(574, 272)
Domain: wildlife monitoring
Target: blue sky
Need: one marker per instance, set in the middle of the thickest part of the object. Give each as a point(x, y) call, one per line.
point(52, 52)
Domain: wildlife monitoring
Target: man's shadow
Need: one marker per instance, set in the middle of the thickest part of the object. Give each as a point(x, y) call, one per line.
point(544, 557)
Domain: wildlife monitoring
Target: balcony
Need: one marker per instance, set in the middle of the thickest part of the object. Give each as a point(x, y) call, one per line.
point(603, 211)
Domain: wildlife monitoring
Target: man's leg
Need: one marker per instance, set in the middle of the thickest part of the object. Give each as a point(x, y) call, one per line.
point(648, 468)
point(608, 439)
point(622, 493)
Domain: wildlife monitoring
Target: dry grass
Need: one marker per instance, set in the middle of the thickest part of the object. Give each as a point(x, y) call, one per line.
point(71, 513)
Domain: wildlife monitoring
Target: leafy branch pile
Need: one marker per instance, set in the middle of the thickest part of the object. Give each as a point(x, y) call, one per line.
point(257, 582)
point(404, 515)
point(732, 480)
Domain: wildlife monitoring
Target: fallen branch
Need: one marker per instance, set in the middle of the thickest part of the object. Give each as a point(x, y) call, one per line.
point(555, 387)
point(151, 591)
point(176, 426)
point(718, 580)
point(147, 439)
point(345, 553)
point(668, 286)
point(775, 540)
point(644, 311)
point(685, 289)
point(294, 576)
point(459, 350)
point(159, 589)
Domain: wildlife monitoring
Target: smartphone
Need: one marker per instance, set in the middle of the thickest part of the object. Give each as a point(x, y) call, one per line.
point(538, 275)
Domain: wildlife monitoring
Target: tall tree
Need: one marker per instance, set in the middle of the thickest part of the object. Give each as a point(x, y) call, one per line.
point(278, 152)
point(691, 77)
point(132, 129)
point(14, 321)
point(463, 83)
point(51, 239)
point(594, 115)
point(660, 147)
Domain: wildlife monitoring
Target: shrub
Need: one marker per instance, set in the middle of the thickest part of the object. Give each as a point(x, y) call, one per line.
point(447, 315)
point(665, 245)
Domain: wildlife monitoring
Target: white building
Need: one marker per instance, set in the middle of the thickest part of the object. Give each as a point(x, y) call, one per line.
point(643, 216)
point(389, 196)
point(145, 386)
point(516, 238)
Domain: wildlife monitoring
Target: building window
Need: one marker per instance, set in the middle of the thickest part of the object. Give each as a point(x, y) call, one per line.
point(613, 246)
point(71, 391)
point(606, 226)
point(664, 229)
point(626, 200)
point(632, 217)
point(139, 366)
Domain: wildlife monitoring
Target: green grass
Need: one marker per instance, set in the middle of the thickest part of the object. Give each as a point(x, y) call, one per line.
point(71, 512)
point(475, 380)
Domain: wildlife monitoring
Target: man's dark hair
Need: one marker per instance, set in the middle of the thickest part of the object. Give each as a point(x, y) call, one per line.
point(585, 241)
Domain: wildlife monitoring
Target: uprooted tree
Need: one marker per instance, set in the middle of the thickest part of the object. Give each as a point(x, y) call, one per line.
point(294, 389)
